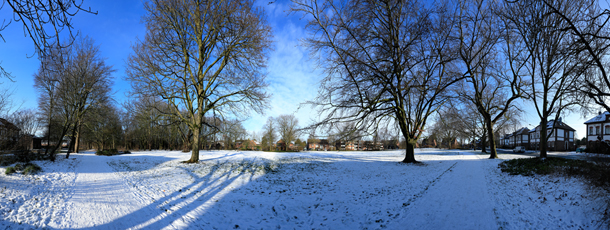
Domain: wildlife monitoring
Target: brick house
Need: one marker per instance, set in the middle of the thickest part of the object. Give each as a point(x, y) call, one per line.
point(561, 138)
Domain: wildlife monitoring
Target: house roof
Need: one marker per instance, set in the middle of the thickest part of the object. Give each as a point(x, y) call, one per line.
point(522, 131)
point(599, 118)
point(559, 125)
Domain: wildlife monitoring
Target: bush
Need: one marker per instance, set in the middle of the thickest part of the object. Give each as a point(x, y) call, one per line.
point(126, 152)
point(10, 170)
point(32, 169)
point(19, 167)
point(107, 152)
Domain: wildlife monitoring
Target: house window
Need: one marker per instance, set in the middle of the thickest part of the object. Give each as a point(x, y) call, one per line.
point(607, 130)
point(591, 131)
point(597, 130)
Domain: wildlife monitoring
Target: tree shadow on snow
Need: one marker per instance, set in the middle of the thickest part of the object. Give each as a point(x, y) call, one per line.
point(197, 203)
point(163, 212)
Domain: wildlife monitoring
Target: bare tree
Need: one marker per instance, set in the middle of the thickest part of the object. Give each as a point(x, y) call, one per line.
point(490, 86)
point(588, 22)
point(288, 128)
point(202, 56)
point(26, 120)
point(43, 22)
point(385, 61)
point(5, 101)
point(269, 134)
point(78, 80)
point(548, 58)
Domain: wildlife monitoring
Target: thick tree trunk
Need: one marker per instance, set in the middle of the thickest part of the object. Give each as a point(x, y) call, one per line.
point(195, 149)
point(410, 152)
point(492, 142)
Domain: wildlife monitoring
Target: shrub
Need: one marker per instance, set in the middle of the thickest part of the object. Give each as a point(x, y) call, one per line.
point(32, 169)
point(107, 152)
point(19, 167)
point(10, 170)
point(126, 152)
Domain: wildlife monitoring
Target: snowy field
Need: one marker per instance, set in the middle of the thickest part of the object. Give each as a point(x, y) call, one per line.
point(306, 190)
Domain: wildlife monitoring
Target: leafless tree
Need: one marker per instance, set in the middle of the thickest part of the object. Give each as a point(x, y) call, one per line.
point(386, 61)
point(484, 44)
point(588, 22)
point(548, 57)
point(102, 127)
point(202, 56)
point(26, 120)
point(78, 80)
point(5, 101)
point(288, 128)
point(43, 22)
point(269, 134)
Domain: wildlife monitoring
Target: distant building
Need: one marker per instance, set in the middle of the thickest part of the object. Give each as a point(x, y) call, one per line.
point(561, 136)
point(9, 134)
point(598, 131)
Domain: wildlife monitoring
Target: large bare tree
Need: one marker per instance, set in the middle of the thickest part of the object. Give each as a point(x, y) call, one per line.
point(548, 58)
point(386, 61)
point(202, 56)
point(589, 23)
point(71, 81)
point(493, 81)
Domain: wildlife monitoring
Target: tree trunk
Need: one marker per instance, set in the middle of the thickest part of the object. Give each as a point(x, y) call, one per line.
point(77, 143)
point(492, 142)
point(195, 150)
point(410, 151)
point(58, 145)
point(543, 141)
point(484, 141)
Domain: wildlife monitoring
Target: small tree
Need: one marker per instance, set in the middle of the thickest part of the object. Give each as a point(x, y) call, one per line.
point(288, 128)
point(269, 136)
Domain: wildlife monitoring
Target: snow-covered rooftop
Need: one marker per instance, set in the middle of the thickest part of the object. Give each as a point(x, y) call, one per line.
point(549, 125)
point(598, 118)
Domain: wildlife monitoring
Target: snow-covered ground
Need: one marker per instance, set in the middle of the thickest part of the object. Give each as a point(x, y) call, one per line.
point(306, 190)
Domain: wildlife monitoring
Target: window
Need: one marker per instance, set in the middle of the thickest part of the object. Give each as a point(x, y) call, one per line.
point(591, 130)
point(597, 130)
point(607, 130)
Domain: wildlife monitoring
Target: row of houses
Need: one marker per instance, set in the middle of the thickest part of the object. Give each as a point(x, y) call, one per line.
point(357, 145)
point(561, 137)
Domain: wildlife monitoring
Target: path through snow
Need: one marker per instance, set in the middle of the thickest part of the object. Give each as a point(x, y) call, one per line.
point(457, 199)
point(99, 196)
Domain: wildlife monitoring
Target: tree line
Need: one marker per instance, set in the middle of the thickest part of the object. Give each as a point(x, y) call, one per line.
point(402, 62)
point(389, 65)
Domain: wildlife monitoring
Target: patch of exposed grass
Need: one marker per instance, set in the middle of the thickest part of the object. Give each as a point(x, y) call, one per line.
point(10, 170)
point(32, 169)
point(27, 169)
point(596, 173)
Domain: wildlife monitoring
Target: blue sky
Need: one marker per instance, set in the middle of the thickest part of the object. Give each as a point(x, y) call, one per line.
point(292, 76)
